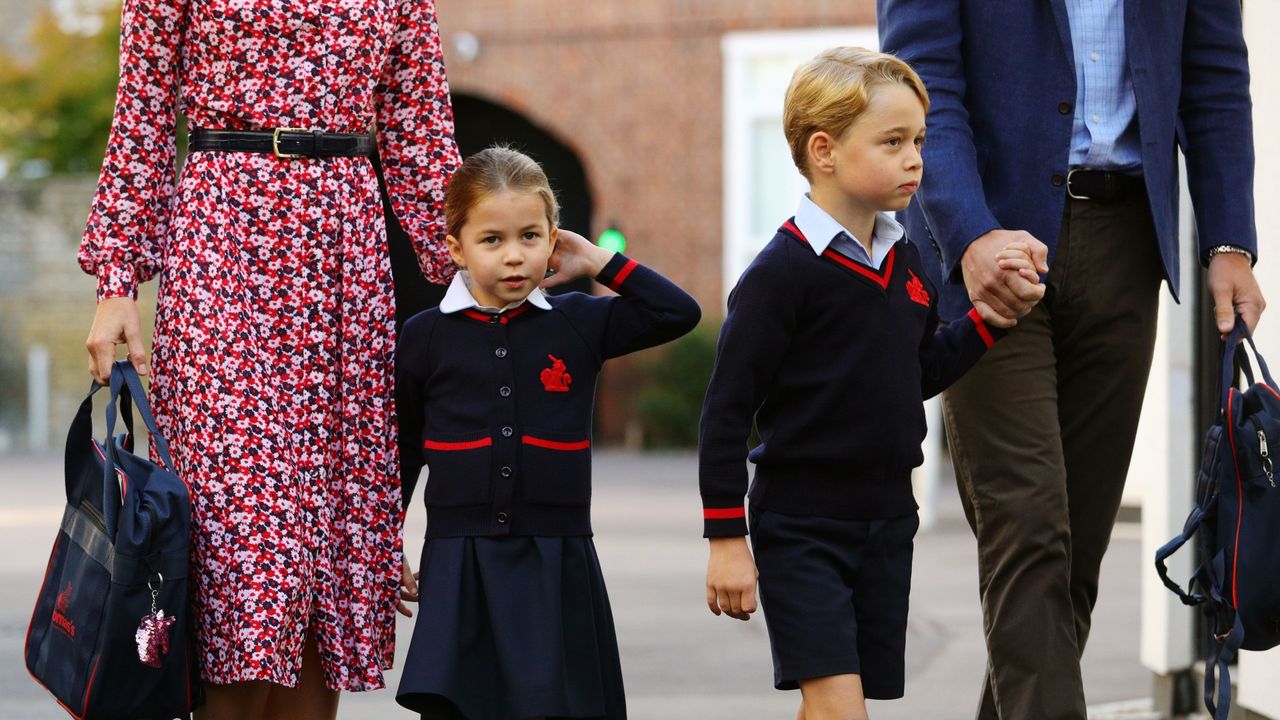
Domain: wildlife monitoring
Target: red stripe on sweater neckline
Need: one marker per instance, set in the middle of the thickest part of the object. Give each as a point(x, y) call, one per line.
point(876, 277)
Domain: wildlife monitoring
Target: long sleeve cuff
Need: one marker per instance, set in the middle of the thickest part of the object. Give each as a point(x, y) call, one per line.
point(616, 271)
point(117, 280)
point(724, 521)
point(988, 334)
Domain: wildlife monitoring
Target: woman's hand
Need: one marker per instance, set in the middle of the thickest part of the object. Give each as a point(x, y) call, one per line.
point(115, 323)
point(408, 588)
point(575, 257)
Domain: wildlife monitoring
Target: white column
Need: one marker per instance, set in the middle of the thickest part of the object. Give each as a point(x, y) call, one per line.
point(1163, 466)
point(1257, 672)
point(38, 398)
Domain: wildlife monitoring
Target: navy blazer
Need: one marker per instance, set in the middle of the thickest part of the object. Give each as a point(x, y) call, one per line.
point(1001, 78)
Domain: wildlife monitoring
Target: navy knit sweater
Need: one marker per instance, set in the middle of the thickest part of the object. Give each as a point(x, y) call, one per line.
point(499, 406)
point(832, 361)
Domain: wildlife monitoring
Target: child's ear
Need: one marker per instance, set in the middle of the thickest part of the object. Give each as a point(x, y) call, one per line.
point(821, 154)
point(555, 238)
point(455, 251)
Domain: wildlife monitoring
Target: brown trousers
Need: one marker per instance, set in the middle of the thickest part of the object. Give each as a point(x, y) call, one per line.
point(1041, 433)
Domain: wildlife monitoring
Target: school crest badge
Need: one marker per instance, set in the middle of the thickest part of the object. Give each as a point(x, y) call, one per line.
point(916, 291)
point(556, 378)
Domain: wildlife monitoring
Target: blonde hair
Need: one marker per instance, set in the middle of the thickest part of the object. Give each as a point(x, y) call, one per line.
point(828, 93)
point(493, 170)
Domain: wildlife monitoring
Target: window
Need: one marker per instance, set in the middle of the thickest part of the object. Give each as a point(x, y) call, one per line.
point(761, 184)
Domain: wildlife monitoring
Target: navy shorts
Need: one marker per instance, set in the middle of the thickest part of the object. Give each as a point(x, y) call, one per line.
point(835, 596)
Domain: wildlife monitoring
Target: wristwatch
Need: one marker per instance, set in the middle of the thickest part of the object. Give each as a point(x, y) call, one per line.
point(1221, 249)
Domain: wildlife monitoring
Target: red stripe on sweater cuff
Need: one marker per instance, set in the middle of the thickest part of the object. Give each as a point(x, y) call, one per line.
point(724, 513)
point(981, 327)
point(623, 274)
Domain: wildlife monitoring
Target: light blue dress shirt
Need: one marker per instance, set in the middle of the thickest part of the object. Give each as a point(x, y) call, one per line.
point(823, 231)
point(1104, 134)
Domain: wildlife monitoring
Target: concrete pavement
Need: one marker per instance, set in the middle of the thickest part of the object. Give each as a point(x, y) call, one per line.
point(680, 662)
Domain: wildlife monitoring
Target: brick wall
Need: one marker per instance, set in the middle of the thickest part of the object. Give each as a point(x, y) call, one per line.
point(635, 89)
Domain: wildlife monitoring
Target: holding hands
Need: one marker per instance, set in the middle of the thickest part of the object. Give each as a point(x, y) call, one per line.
point(1002, 271)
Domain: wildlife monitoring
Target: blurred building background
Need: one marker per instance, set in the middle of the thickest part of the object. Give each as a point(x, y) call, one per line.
point(659, 120)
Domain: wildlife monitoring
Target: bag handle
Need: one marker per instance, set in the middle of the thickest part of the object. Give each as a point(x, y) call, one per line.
point(81, 432)
point(1217, 669)
point(126, 389)
point(1238, 333)
point(1188, 529)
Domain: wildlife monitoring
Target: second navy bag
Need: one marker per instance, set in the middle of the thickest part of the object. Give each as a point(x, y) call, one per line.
point(1236, 520)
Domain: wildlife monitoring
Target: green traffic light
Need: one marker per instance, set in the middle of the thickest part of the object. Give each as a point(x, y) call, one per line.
point(612, 239)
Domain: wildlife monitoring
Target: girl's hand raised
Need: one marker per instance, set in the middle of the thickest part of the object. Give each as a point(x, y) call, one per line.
point(574, 257)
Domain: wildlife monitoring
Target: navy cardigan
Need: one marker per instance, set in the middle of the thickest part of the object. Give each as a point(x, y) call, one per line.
point(498, 407)
point(832, 361)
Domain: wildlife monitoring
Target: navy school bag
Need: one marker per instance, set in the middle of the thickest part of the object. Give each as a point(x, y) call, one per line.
point(109, 635)
point(1236, 520)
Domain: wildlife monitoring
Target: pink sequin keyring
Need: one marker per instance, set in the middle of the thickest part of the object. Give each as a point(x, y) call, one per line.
point(153, 632)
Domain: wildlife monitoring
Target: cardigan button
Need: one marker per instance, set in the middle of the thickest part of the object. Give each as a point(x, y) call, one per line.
point(503, 518)
point(1058, 180)
point(507, 432)
point(506, 471)
point(1064, 108)
point(504, 391)
point(500, 352)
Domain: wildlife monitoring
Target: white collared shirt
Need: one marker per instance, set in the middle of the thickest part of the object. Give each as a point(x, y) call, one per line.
point(458, 298)
point(823, 231)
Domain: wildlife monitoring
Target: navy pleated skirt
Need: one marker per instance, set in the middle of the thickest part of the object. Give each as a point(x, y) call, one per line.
point(510, 629)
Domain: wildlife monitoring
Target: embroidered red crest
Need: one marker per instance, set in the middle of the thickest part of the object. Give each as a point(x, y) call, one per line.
point(60, 619)
point(556, 378)
point(916, 291)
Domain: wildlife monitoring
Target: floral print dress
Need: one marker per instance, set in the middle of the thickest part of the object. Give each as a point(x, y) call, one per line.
point(274, 336)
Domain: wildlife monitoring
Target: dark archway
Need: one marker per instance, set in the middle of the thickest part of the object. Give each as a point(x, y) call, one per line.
point(480, 124)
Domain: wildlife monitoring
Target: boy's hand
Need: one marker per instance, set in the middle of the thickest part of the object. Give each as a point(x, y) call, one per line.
point(731, 578)
point(1016, 257)
point(408, 588)
point(575, 257)
point(999, 297)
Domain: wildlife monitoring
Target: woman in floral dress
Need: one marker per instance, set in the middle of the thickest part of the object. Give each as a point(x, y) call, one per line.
point(274, 332)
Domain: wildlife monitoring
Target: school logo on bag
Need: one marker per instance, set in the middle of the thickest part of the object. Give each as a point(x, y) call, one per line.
point(556, 378)
point(916, 291)
point(60, 619)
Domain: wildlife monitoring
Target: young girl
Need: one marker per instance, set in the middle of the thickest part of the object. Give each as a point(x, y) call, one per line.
point(495, 389)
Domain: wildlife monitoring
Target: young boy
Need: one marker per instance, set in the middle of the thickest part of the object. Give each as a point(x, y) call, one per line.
point(831, 345)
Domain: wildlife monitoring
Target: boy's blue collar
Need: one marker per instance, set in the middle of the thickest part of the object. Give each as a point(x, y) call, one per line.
point(820, 228)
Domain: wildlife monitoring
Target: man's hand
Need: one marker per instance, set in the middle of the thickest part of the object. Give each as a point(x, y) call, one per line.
point(731, 578)
point(1235, 291)
point(1001, 297)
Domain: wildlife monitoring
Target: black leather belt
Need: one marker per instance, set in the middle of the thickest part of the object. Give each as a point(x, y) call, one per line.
point(1103, 186)
point(283, 143)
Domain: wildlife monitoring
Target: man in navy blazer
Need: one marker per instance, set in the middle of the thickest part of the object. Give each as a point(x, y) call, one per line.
point(1058, 123)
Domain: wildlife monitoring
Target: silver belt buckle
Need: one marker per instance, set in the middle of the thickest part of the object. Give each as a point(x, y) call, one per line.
point(1071, 194)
